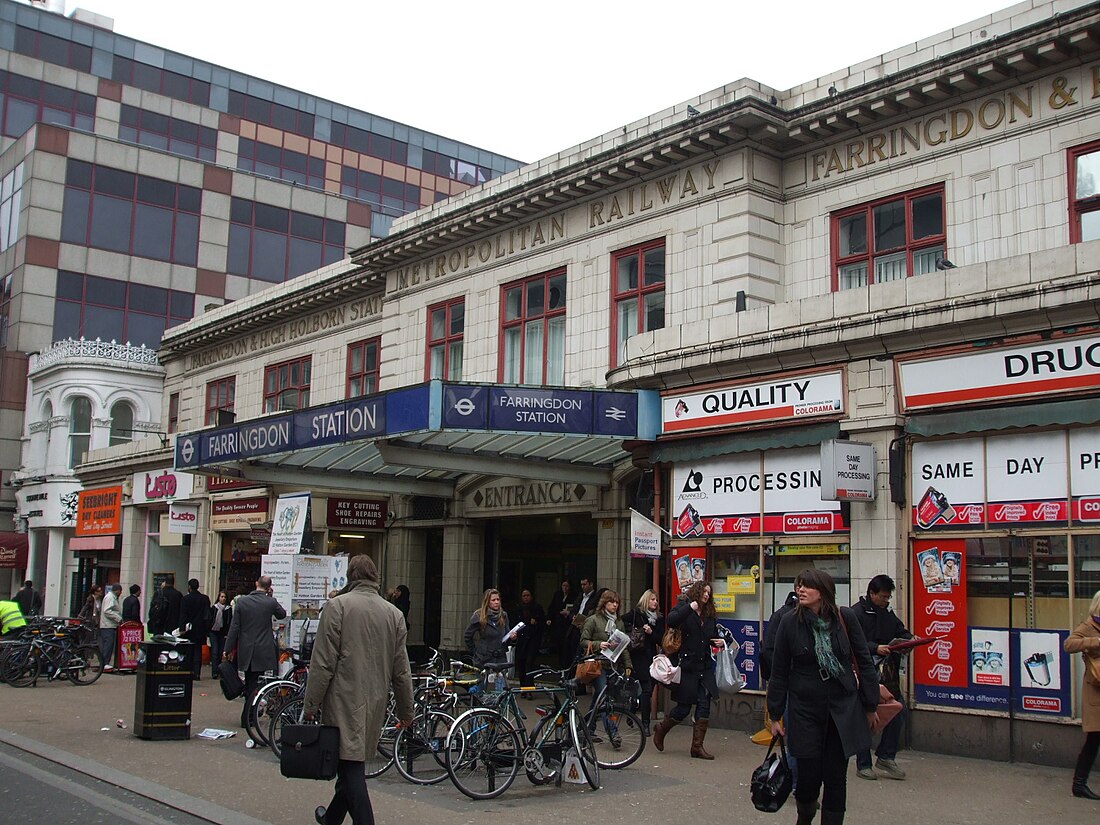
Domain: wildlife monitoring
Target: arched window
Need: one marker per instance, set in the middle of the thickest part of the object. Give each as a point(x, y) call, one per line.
point(47, 414)
point(80, 429)
point(122, 423)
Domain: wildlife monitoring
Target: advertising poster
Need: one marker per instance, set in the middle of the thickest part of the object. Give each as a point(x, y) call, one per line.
point(311, 578)
point(748, 657)
point(290, 524)
point(939, 611)
point(689, 565)
point(1026, 479)
point(1084, 475)
point(791, 486)
point(645, 537)
point(130, 635)
point(948, 483)
point(989, 657)
point(281, 570)
point(1043, 672)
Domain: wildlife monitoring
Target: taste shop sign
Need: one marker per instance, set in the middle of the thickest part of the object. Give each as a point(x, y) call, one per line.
point(1058, 366)
point(99, 512)
point(162, 485)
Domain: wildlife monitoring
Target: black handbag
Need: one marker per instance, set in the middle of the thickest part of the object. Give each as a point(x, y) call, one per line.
point(772, 781)
point(230, 680)
point(309, 751)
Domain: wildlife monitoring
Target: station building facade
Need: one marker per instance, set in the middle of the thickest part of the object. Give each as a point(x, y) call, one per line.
point(904, 255)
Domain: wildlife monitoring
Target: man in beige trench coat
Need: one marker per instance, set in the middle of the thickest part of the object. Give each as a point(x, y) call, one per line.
point(358, 655)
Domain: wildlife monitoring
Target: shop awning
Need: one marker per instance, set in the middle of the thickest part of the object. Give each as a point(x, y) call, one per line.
point(13, 551)
point(777, 439)
point(79, 543)
point(1046, 414)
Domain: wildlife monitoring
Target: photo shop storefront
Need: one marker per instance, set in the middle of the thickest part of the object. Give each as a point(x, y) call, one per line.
point(1004, 547)
point(746, 508)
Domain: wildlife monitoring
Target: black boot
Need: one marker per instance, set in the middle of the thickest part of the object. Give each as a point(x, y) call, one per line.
point(1082, 790)
point(1081, 772)
point(832, 817)
point(806, 812)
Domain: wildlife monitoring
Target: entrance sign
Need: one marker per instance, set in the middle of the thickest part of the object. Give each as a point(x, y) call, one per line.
point(290, 524)
point(847, 471)
point(995, 374)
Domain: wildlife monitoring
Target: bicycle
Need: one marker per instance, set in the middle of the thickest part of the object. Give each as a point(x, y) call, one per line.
point(62, 655)
point(269, 697)
point(616, 730)
point(419, 748)
point(484, 750)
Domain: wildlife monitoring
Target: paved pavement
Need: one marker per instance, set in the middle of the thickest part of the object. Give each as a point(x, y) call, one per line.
point(224, 782)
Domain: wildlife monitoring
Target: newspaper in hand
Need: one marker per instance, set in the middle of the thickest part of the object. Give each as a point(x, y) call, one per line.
point(616, 645)
point(515, 631)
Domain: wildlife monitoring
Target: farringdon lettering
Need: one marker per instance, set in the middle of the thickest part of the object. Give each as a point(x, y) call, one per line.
point(254, 438)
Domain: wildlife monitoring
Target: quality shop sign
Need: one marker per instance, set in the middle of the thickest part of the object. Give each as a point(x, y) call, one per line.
point(789, 398)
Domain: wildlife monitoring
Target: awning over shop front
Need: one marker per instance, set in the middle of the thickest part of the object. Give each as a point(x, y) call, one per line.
point(1044, 414)
point(421, 439)
point(13, 551)
point(695, 449)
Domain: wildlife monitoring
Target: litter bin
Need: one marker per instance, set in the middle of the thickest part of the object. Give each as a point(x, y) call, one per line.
point(162, 704)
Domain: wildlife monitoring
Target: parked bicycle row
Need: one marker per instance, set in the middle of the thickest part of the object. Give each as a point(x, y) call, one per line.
point(53, 648)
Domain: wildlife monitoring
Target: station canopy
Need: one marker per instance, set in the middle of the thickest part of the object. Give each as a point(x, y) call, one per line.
point(421, 439)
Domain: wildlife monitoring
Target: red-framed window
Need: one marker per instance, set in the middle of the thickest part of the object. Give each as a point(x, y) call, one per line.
point(53, 49)
point(88, 306)
point(286, 385)
point(26, 101)
point(1084, 193)
point(446, 329)
point(364, 364)
point(270, 243)
point(180, 137)
point(889, 239)
point(277, 162)
point(221, 396)
point(637, 293)
point(173, 412)
point(532, 330)
point(161, 81)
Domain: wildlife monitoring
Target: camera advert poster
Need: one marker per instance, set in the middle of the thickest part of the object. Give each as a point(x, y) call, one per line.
point(939, 611)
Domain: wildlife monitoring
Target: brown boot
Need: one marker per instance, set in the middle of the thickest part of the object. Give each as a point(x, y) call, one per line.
point(699, 733)
point(660, 729)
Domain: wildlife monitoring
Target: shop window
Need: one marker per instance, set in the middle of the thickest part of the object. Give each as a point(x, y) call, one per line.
point(122, 423)
point(1084, 193)
point(446, 329)
point(173, 412)
point(637, 294)
point(221, 396)
point(364, 363)
point(286, 385)
point(80, 429)
point(533, 331)
point(889, 239)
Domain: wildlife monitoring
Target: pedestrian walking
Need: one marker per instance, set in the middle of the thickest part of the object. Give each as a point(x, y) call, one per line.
point(881, 626)
point(110, 614)
point(358, 657)
point(647, 619)
point(89, 611)
point(697, 620)
point(131, 605)
point(828, 715)
point(250, 641)
point(1085, 639)
point(29, 599)
point(195, 619)
point(221, 615)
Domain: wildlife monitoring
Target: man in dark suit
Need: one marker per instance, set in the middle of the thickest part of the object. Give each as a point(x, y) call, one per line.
point(131, 605)
point(164, 613)
point(195, 618)
point(250, 640)
point(29, 599)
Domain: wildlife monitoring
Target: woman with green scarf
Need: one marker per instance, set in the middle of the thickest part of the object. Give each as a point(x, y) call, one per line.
point(827, 716)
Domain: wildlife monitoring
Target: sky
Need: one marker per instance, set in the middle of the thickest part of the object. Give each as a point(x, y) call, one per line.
point(529, 79)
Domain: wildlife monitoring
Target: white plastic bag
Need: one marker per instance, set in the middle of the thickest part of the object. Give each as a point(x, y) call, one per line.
point(662, 670)
point(726, 674)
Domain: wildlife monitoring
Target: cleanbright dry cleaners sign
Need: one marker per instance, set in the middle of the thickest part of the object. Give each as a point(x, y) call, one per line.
point(788, 398)
point(1057, 366)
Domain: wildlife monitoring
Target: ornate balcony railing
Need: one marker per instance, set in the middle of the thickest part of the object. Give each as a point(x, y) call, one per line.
point(97, 350)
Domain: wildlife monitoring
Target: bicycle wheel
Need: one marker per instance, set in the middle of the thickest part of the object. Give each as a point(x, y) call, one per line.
point(586, 751)
point(617, 736)
point(85, 665)
point(542, 761)
point(483, 754)
point(21, 667)
point(266, 701)
point(288, 713)
point(418, 752)
point(380, 762)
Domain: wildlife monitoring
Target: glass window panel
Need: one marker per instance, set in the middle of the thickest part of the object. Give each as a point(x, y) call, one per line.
point(438, 323)
point(332, 254)
point(175, 85)
point(61, 117)
point(152, 232)
point(654, 311)
point(458, 318)
point(307, 226)
point(105, 324)
point(74, 216)
point(272, 217)
point(889, 225)
point(924, 260)
point(182, 304)
point(154, 140)
point(626, 273)
point(1090, 226)
point(455, 366)
point(114, 182)
point(532, 352)
point(20, 116)
point(154, 122)
point(105, 291)
point(268, 256)
point(555, 352)
point(305, 256)
point(84, 122)
point(853, 235)
point(78, 446)
point(890, 267)
point(927, 216)
point(151, 299)
point(627, 321)
point(144, 329)
point(185, 249)
point(240, 249)
point(513, 303)
point(66, 320)
point(70, 285)
point(435, 362)
point(178, 146)
point(78, 173)
point(536, 298)
point(1088, 175)
point(185, 130)
point(511, 355)
point(110, 227)
point(240, 210)
point(557, 292)
point(128, 134)
point(852, 276)
point(654, 267)
point(189, 198)
point(356, 357)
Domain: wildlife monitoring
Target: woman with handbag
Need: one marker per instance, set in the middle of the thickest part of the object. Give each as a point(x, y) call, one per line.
point(1085, 639)
point(596, 637)
point(487, 636)
point(826, 711)
point(646, 626)
point(697, 622)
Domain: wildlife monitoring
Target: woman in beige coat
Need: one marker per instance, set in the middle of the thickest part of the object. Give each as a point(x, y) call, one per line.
point(1085, 639)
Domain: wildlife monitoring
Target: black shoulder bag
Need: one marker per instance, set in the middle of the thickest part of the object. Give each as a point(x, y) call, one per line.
point(309, 751)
